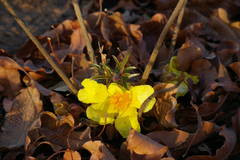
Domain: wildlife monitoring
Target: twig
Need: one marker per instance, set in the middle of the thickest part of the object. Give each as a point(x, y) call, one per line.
point(39, 46)
point(85, 33)
point(177, 28)
point(159, 43)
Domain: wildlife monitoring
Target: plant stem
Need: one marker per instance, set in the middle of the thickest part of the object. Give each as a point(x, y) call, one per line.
point(159, 43)
point(40, 47)
point(177, 28)
point(85, 33)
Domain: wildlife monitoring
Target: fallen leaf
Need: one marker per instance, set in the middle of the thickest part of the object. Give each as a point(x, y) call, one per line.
point(71, 155)
point(60, 131)
point(98, 150)
point(191, 50)
point(174, 138)
point(236, 68)
point(229, 144)
point(9, 77)
point(165, 106)
point(24, 112)
point(144, 147)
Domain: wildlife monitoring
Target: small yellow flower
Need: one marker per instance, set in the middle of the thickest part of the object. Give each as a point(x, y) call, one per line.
point(115, 104)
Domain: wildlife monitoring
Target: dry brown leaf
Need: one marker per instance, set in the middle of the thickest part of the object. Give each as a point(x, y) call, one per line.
point(226, 50)
point(181, 139)
point(191, 50)
point(24, 112)
point(229, 144)
point(236, 122)
point(151, 30)
point(201, 157)
point(165, 106)
point(223, 29)
point(236, 68)
point(61, 132)
point(225, 81)
point(71, 155)
point(207, 74)
point(113, 29)
point(174, 138)
point(144, 147)
point(222, 14)
point(223, 152)
point(98, 150)
point(10, 81)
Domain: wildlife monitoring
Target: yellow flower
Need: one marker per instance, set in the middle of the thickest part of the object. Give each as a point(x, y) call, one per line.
point(183, 87)
point(115, 104)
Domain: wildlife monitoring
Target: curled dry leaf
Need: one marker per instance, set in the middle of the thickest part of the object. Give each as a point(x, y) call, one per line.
point(179, 139)
point(143, 147)
point(60, 131)
point(25, 110)
point(71, 155)
point(165, 106)
point(225, 81)
point(98, 150)
point(174, 138)
point(236, 68)
point(229, 144)
point(236, 122)
point(10, 81)
point(223, 152)
point(113, 29)
point(151, 30)
point(226, 50)
point(191, 50)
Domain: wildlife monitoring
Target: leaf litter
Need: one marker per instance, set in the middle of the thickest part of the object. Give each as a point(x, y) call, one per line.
point(41, 119)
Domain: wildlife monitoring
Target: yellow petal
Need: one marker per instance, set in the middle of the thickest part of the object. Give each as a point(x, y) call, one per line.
point(140, 94)
point(125, 124)
point(97, 113)
point(114, 88)
point(129, 111)
point(92, 92)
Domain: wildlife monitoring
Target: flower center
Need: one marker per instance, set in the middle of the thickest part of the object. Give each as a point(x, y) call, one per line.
point(120, 100)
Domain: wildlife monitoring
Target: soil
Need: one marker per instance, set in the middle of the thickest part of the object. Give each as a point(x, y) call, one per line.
point(39, 15)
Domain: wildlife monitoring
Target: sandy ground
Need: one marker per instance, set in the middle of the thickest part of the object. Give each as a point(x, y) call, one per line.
point(39, 15)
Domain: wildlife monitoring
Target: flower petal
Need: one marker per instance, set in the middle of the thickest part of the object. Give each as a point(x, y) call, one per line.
point(125, 124)
point(140, 94)
point(92, 92)
point(113, 88)
point(97, 113)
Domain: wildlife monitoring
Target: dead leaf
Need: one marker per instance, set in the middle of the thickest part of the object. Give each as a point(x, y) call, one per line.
point(174, 138)
point(191, 50)
point(24, 112)
point(9, 77)
point(98, 150)
point(223, 152)
point(165, 106)
point(236, 68)
point(71, 155)
point(229, 144)
point(144, 147)
point(226, 50)
point(60, 131)
point(181, 139)
point(113, 28)
point(225, 81)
